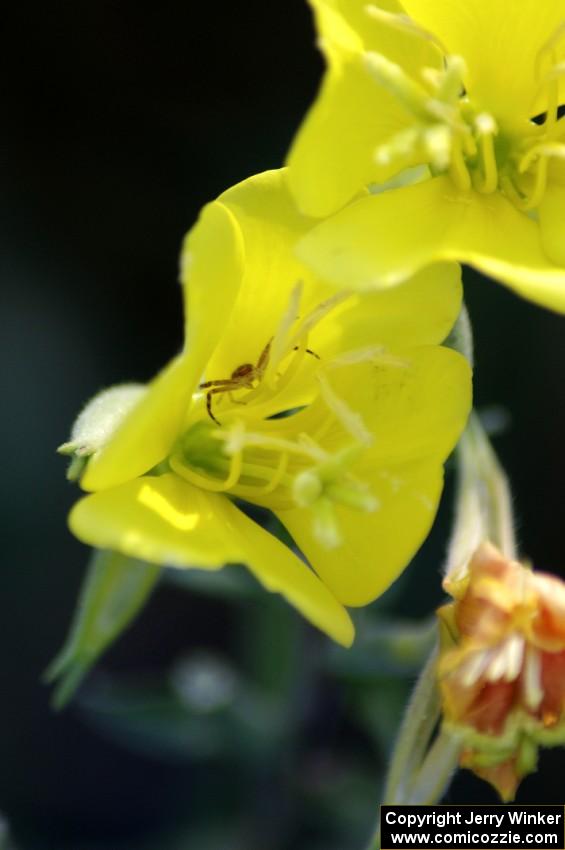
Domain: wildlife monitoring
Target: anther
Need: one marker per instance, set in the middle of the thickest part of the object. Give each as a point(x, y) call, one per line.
point(438, 141)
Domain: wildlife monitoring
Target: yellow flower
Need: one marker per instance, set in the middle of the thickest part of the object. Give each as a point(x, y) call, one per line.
point(458, 104)
point(335, 412)
point(502, 666)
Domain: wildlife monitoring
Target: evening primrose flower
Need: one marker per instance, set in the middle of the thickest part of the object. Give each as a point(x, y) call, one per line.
point(502, 667)
point(454, 109)
point(333, 411)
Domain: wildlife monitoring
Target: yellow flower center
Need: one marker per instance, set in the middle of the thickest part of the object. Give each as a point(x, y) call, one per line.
point(256, 449)
point(451, 135)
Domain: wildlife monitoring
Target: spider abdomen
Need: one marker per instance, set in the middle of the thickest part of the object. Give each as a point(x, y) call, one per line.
point(242, 371)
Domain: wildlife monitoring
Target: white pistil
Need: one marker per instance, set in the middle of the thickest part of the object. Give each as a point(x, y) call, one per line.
point(307, 488)
point(351, 421)
point(328, 482)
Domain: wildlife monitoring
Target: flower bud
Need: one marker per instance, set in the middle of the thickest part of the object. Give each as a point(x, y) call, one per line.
point(97, 423)
point(502, 666)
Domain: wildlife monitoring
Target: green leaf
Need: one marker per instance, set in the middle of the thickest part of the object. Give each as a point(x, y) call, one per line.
point(115, 589)
point(206, 711)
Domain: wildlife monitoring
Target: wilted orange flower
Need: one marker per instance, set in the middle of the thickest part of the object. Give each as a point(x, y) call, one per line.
point(502, 666)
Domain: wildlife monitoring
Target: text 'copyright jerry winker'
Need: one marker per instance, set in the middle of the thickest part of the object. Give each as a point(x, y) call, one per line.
point(478, 827)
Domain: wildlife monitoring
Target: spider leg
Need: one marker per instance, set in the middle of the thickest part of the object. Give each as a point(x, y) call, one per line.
point(223, 382)
point(308, 351)
point(264, 357)
point(209, 408)
point(226, 386)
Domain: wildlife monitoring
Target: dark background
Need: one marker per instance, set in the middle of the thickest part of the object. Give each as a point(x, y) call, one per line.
point(120, 120)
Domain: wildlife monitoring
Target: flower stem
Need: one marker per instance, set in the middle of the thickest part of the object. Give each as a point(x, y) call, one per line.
point(483, 507)
point(420, 771)
point(436, 771)
point(416, 728)
point(483, 504)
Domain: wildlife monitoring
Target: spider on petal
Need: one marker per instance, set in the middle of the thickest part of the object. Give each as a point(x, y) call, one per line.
point(242, 377)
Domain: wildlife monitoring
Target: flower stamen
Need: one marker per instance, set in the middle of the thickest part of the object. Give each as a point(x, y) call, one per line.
point(458, 170)
point(351, 421)
point(278, 476)
point(486, 128)
point(190, 474)
point(403, 23)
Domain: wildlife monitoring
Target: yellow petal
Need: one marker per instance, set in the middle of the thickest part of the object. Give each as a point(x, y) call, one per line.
point(160, 519)
point(167, 521)
point(211, 276)
point(416, 408)
point(269, 224)
point(415, 402)
point(278, 569)
point(332, 157)
point(551, 213)
point(420, 312)
point(377, 546)
point(349, 25)
point(381, 240)
point(501, 43)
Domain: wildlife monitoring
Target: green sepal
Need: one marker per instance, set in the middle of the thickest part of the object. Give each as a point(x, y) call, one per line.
point(114, 591)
